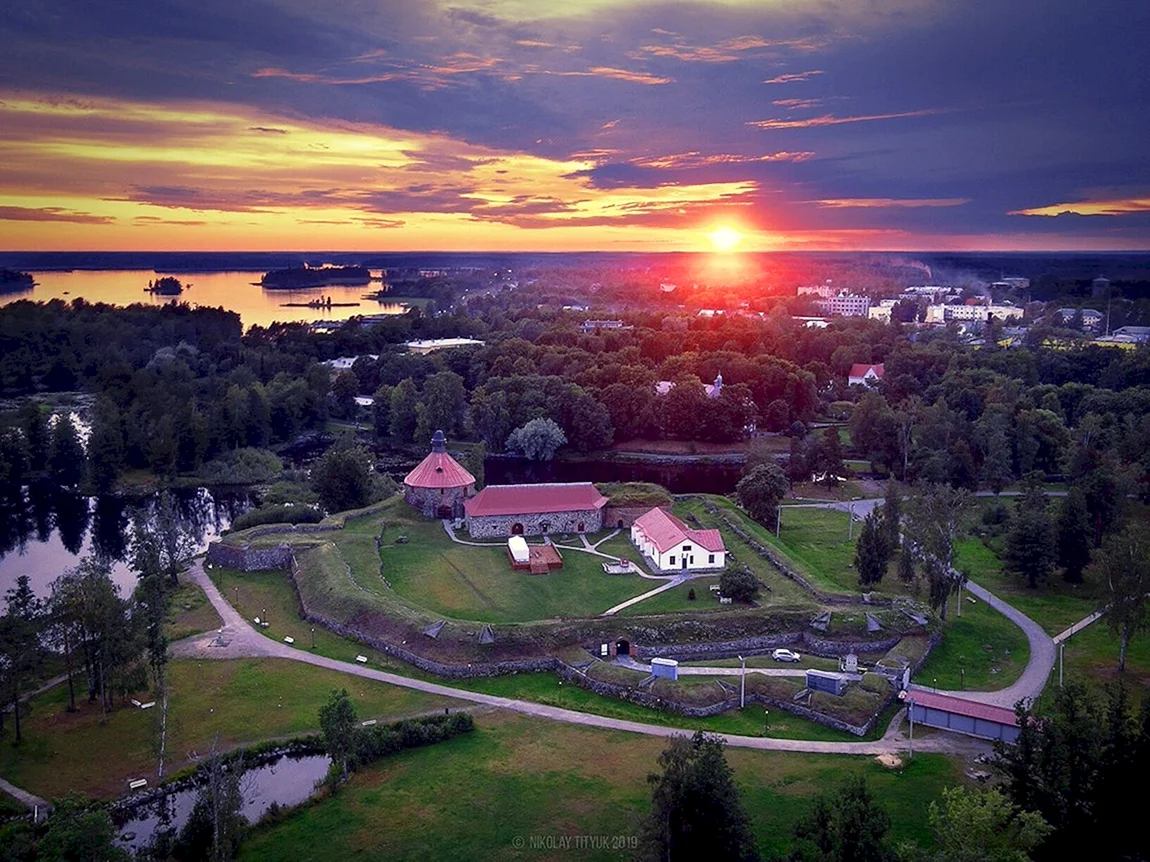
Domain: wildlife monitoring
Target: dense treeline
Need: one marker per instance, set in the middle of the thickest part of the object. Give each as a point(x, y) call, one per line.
point(178, 387)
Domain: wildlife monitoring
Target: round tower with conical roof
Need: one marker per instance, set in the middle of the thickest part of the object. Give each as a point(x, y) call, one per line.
point(439, 485)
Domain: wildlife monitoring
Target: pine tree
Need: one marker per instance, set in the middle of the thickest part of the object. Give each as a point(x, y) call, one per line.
point(696, 811)
point(1074, 535)
point(871, 552)
point(1030, 547)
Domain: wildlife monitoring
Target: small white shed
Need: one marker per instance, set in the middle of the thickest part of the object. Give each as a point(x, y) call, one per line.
point(665, 668)
point(517, 547)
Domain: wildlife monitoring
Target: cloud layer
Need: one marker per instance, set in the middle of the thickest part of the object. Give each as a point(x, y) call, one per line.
point(605, 124)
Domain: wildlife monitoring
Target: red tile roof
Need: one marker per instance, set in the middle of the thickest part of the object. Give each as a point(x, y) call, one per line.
point(535, 499)
point(665, 531)
point(859, 369)
point(439, 470)
point(959, 706)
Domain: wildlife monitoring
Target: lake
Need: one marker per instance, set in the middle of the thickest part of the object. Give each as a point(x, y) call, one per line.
point(49, 530)
point(233, 291)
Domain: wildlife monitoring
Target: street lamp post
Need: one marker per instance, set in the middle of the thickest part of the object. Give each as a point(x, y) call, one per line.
point(313, 637)
point(743, 684)
point(1061, 659)
point(766, 721)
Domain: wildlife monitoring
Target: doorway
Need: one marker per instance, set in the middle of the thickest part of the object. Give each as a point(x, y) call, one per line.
point(622, 647)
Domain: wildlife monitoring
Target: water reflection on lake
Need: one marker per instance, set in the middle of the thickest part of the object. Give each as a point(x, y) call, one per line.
point(48, 530)
point(231, 290)
point(287, 782)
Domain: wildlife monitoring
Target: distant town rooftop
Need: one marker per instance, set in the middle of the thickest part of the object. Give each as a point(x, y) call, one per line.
point(430, 344)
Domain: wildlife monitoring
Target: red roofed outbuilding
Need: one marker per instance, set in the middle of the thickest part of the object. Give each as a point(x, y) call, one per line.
point(961, 715)
point(439, 485)
point(862, 374)
point(533, 510)
point(671, 545)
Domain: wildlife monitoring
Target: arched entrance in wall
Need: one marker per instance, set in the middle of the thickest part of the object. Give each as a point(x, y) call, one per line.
point(622, 647)
point(517, 529)
point(445, 513)
point(580, 528)
point(619, 523)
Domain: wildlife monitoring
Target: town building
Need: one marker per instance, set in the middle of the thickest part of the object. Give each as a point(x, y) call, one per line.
point(431, 344)
point(862, 374)
point(1135, 333)
point(1100, 287)
point(1090, 317)
point(883, 310)
point(670, 545)
point(590, 326)
point(535, 510)
point(825, 290)
point(439, 485)
point(843, 305)
point(712, 390)
point(344, 363)
point(971, 312)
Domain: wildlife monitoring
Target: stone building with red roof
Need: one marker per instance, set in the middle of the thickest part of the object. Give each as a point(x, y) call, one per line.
point(670, 545)
point(439, 485)
point(535, 510)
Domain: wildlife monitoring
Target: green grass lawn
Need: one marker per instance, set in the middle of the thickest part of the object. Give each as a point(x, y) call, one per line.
point(815, 541)
point(473, 583)
point(981, 650)
point(1055, 605)
point(1091, 656)
point(189, 612)
point(472, 797)
point(677, 599)
point(234, 702)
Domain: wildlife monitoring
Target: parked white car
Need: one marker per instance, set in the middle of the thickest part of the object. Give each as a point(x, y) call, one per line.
point(785, 655)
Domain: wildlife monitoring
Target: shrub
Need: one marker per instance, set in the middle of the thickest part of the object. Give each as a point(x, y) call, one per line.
point(289, 492)
point(242, 467)
point(284, 514)
point(691, 594)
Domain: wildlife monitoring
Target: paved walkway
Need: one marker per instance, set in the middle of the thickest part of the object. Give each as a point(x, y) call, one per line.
point(674, 582)
point(1028, 686)
point(24, 797)
point(243, 642)
point(1078, 626)
point(691, 670)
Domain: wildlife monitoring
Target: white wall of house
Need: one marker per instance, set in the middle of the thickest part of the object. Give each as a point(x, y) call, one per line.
point(697, 557)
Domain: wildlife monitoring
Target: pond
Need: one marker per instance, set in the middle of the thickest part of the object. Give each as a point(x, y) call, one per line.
point(287, 781)
point(48, 530)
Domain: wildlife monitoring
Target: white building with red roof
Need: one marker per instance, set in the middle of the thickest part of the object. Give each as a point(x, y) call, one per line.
point(439, 485)
point(862, 374)
point(535, 510)
point(671, 545)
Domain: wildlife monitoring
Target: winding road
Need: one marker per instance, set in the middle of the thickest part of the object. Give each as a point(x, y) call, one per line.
point(238, 639)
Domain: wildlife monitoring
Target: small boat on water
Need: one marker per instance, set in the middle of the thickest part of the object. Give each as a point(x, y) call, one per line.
point(319, 303)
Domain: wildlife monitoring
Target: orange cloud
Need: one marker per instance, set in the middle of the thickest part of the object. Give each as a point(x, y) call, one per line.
point(1116, 207)
point(695, 159)
point(880, 203)
point(794, 77)
point(830, 120)
point(797, 104)
point(54, 214)
point(726, 51)
point(611, 72)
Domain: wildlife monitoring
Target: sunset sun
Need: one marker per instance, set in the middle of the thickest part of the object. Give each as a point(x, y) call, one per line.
point(725, 238)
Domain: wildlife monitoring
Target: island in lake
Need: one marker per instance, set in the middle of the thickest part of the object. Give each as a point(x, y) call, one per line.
point(11, 279)
point(167, 285)
point(305, 276)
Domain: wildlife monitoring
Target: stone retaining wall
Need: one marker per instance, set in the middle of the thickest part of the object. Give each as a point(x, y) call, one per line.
point(249, 559)
point(612, 515)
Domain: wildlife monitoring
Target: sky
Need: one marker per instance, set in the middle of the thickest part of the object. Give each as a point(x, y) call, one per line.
point(649, 125)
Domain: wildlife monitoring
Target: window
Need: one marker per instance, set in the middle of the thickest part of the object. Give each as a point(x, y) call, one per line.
point(672, 559)
point(686, 548)
point(710, 558)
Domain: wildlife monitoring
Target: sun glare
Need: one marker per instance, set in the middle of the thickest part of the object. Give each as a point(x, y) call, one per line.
point(725, 238)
